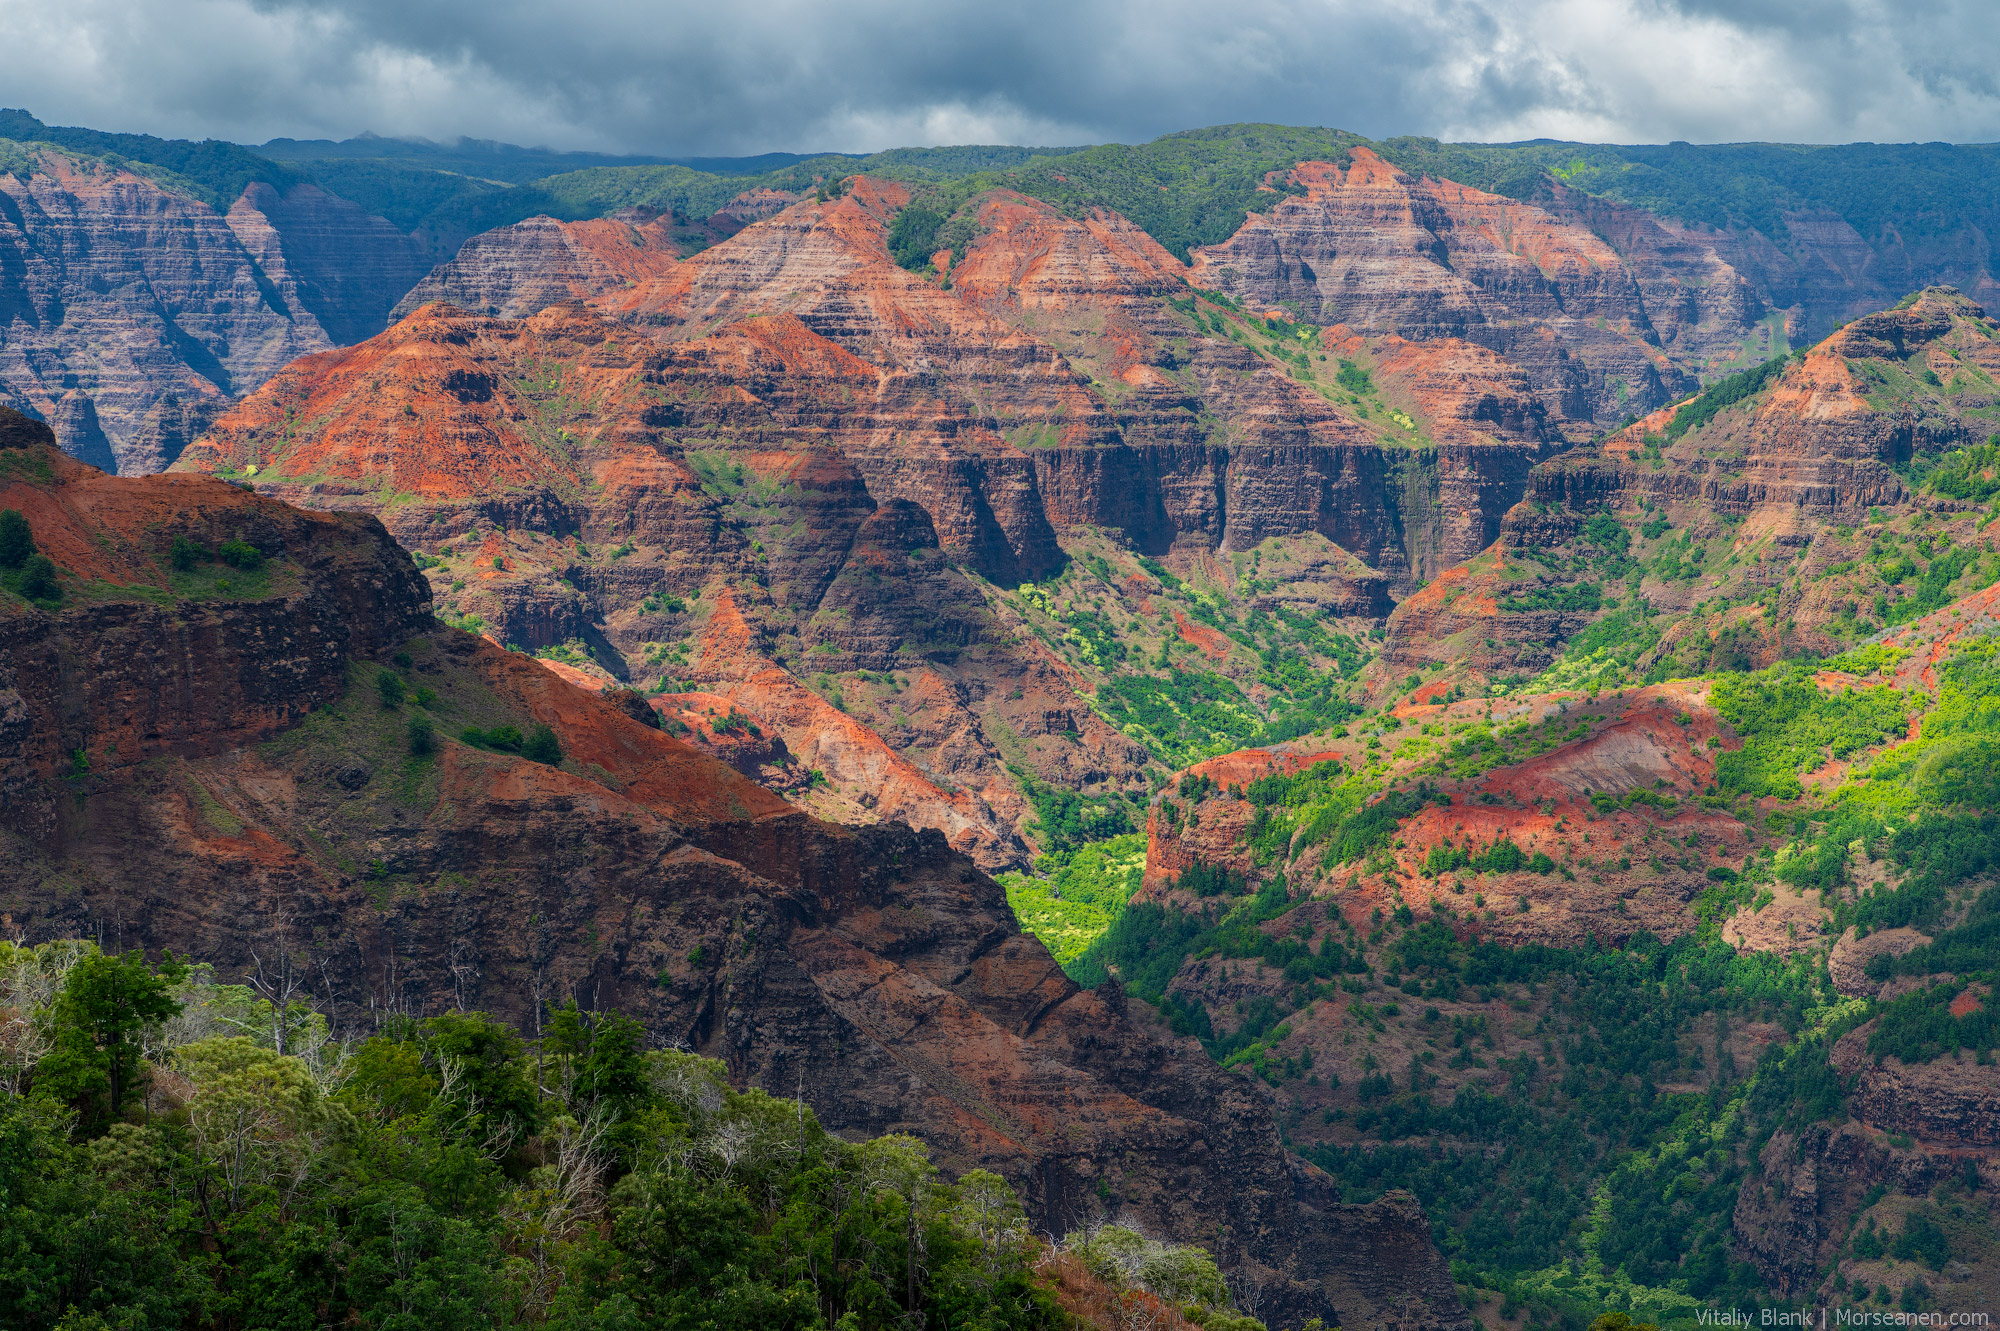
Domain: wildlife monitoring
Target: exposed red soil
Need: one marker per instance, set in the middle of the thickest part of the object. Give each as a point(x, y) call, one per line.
point(1210, 642)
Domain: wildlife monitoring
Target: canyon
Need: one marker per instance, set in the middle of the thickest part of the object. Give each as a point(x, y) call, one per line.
point(1524, 640)
point(292, 825)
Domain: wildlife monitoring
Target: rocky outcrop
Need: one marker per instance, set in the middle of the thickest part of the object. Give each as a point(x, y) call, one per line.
point(704, 494)
point(124, 672)
point(1089, 396)
point(1761, 499)
point(132, 315)
point(1949, 1102)
point(872, 970)
point(517, 270)
point(752, 405)
point(1498, 613)
point(1610, 778)
point(1794, 1213)
point(1383, 251)
point(1847, 963)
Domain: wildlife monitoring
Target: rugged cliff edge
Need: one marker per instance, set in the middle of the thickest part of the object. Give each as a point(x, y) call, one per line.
point(873, 970)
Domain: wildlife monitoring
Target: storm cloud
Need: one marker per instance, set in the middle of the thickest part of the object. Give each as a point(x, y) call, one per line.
point(748, 76)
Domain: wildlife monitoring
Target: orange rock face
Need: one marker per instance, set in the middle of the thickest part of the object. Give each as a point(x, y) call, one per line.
point(696, 461)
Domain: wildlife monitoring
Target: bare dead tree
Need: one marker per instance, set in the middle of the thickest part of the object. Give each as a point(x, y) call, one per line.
point(280, 986)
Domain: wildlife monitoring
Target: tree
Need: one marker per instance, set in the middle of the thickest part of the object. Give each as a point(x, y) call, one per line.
point(31, 979)
point(95, 1062)
point(484, 1088)
point(542, 746)
point(37, 579)
point(257, 1115)
point(17, 541)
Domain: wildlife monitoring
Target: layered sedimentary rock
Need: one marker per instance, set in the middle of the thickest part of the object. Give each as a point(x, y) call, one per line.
point(1092, 399)
point(327, 258)
point(872, 970)
point(594, 483)
point(517, 270)
point(1377, 248)
point(1764, 498)
point(733, 422)
point(1821, 442)
point(132, 315)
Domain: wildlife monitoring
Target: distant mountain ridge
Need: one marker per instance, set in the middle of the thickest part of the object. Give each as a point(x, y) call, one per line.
point(324, 239)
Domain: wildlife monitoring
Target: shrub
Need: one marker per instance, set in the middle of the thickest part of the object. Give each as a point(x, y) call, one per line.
point(505, 739)
point(1922, 1240)
point(184, 554)
point(1964, 769)
point(1968, 473)
point(1577, 596)
point(37, 579)
point(542, 746)
point(1210, 880)
point(422, 736)
point(1502, 857)
point(913, 236)
point(389, 686)
point(240, 554)
point(17, 542)
point(1727, 393)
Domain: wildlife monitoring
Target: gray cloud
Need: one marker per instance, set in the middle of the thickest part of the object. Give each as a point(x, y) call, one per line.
point(755, 75)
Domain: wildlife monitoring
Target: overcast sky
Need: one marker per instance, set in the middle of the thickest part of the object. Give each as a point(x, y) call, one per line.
point(746, 76)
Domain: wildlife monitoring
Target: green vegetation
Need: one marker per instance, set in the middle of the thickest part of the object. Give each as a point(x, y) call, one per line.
point(1918, 189)
point(1577, 1181)
point(1968, 473)
point(1181, 1277)
point(1577, 596)
point(1077, 894)
point(1187, 189)
point(1184, 716)
point(212, 171)
point(24, 570)
point(920, 231)
point(1790, 726)
point(442, 1173)
point(538, 745)
point(1736, 388)
point(1919, 1027)
point(1605, 654)
point(1065, 820)
point(1619, 1022)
